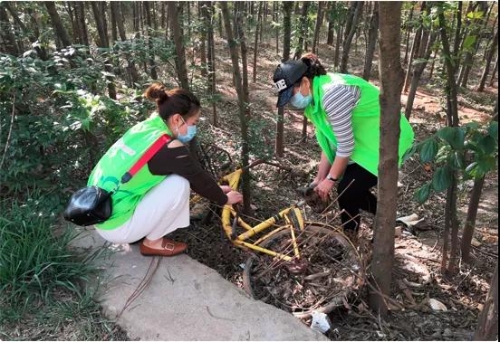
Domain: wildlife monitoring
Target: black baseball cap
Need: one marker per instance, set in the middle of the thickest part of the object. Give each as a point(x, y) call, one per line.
point(285, 76)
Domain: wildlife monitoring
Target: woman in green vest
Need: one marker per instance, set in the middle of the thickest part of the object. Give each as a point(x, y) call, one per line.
point(345, 112)
point(155, 201)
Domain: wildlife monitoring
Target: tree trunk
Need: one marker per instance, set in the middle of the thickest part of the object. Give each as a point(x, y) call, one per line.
point(493, 74)
point(391, 78)
point(463, 76)
point(487, 327)
point(209, 18)
point(349, 34)
point(114, 29)
point(203, 37)
point(336, 57)
point(458, 29)
point(287, 35)
point(242, 104)
point(414, 48)
point(470, 222)
point(57, 23)
point(451, 88)
point(302, 30)
point(408, 27)
point(147, 10)
point(489, 57)
point(180, 59)
point(99, 9)
point(81, 24)
point(256, 42)
point(131, 68)
point(42, 53)
point(9, 44)
point(418, 69)
point(329, 38)
point(317, 29)
point(372, 41)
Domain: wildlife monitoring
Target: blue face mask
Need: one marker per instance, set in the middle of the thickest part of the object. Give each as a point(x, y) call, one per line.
point(300, 101)
point(185, 138)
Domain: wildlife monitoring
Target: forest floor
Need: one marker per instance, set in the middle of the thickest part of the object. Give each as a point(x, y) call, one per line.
point(418, 283)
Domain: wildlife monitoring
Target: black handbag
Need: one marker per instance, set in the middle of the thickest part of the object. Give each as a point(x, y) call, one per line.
point(92, 204)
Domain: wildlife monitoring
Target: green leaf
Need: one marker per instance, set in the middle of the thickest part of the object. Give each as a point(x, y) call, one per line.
point(429, 150)
point(423, 193)
point(493, 130)
point(409, 152)
point(487, 144)
point(457, 160)
point(469, 42)
point(455, 136)
point(441, 179)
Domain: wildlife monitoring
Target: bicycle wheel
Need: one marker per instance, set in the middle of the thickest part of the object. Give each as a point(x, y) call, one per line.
point(327, 270)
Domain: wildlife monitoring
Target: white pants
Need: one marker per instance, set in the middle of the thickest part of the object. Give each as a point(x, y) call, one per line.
point(162, 210)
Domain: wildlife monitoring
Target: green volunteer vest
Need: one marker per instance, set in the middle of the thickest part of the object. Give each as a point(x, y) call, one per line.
point(118, 160)
point(365, 122)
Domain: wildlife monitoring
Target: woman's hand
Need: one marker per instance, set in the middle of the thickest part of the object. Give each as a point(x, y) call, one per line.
point(324, 188)
point(234, 197)
point(226, 188)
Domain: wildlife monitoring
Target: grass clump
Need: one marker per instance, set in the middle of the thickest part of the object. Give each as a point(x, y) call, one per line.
point(46, 287)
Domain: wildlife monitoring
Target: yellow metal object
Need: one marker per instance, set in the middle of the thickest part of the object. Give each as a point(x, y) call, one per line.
point(263, 250)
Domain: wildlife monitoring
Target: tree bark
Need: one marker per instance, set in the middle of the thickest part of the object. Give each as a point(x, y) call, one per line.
point(418, 69)
point(391, 77)
point(287, 34)
point(149, 23)
point(414, 48)
point(487, 328)
point(470, 222)
point(180, 59)
point(131, 68)
point(57, 23)
point(408, 28)
point(372, 42)
point(242, 104)
point(99, 9)
point(489, 57)
point(80, 22)
point(349, 35)
point(329, 38)
point(302, 30)
point(42, 53)
point(256, 42)
point(9, 44)
point(319, 21)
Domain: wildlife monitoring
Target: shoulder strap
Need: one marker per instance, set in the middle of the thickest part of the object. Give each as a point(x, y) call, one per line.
point(162, 140)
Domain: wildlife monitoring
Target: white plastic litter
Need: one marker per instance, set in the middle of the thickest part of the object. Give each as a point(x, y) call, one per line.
point(320, 322)
point(436, 305)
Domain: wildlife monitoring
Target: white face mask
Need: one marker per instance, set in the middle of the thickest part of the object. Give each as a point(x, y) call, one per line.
point(300, 101)
point(191, 132)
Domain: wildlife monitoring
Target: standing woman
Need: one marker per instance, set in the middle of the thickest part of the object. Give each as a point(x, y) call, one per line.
point(345, 112)
point(155, 202)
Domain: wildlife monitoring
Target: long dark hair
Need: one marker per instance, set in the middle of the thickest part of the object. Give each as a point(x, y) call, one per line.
point(170, 102)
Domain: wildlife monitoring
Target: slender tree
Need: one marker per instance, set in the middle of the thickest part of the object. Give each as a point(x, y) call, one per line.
point(174, 7)
point(242, 104)
point(61, 32)
point(487, 328)
point(489, 57)
point(356, 10)
point(9, 44)
point(372, 41)
point(287, 33)
point(449, 263)
point(391, 77)
point(99, 9)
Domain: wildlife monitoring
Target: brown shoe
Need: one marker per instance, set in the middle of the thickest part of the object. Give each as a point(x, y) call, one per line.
point(169, 248)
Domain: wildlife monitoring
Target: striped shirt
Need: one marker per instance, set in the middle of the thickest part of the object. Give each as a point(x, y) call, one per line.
point(339, 101)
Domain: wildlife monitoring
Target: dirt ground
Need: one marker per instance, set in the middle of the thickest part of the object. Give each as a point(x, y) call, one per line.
point(425, 305)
